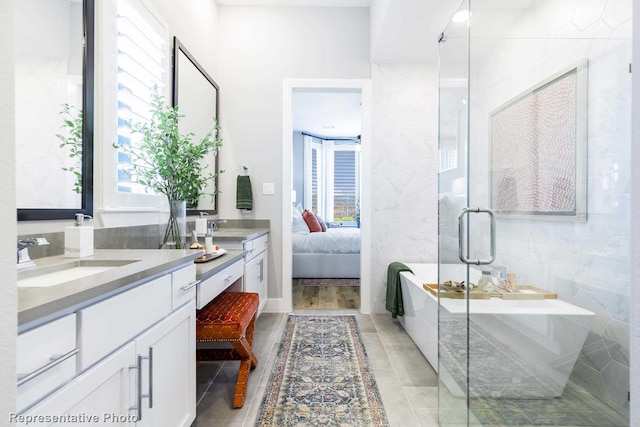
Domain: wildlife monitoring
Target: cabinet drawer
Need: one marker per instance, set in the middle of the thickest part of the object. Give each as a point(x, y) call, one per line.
point(48, 354)
point(260, 244)
point(105, 326)
point(210, 288)
point(182, 289)
point(256, 246)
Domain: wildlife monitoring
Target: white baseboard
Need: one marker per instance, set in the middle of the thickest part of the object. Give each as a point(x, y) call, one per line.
point(276, 305)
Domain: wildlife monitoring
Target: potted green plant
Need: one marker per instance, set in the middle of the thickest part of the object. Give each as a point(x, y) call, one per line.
point(170, 162)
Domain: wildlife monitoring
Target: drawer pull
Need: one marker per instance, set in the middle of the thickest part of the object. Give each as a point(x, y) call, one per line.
point(137, 407)
point(55, 360)
point(228, 279)
point(150, 377)
point(190, 285)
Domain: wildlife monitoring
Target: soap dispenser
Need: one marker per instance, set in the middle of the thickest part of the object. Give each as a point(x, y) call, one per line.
point(78, 240)
point(201, 224)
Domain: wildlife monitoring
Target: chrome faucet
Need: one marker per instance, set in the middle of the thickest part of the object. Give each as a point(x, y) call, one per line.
point(215, 223)
point(23, 250)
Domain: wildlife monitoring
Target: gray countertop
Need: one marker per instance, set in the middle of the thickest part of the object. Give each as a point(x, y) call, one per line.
point(38, 305)
point(232, 233)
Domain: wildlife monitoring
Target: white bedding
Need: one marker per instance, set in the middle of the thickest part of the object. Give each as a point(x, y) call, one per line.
point(333, 241)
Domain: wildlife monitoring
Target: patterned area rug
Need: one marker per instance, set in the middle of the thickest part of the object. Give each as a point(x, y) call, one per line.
point(321, 377)
point(328, 282)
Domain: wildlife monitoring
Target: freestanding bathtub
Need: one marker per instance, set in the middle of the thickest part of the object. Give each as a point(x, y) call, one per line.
point(517, 348)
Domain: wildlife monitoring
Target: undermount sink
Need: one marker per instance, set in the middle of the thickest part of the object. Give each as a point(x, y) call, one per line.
point(64, 272)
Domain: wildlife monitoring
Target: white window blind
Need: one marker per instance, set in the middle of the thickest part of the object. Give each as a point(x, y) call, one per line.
point(142, 64)
point(315, 160)
point(344, 184)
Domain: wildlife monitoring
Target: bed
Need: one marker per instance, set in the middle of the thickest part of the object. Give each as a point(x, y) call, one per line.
point(331, 254)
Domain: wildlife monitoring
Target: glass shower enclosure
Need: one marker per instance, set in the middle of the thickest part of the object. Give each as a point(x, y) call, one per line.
point(534, 183)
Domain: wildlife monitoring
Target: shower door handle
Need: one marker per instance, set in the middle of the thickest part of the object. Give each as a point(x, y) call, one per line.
point(492, 218)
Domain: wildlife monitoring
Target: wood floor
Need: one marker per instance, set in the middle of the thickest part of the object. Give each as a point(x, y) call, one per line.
point(325, 297)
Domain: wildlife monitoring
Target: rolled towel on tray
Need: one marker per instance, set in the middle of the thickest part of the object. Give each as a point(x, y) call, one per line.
point(244, 196)
point(394, 290)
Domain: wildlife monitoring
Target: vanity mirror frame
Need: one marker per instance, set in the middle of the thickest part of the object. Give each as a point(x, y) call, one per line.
point(178, 48)
point(88, 68)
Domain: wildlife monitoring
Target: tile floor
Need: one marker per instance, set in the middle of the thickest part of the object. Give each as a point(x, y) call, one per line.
point(407, 383)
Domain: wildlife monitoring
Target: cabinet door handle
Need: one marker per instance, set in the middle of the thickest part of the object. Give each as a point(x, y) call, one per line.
point(190, 285)
point(261, 269)
point(228, 279)
point(150, 377)
point(149, 395)
point(55, 360)
point(137, 406)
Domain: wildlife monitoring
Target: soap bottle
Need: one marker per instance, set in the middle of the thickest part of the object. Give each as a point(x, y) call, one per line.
point(485, 284)
point(78, 240)
point(201, 224)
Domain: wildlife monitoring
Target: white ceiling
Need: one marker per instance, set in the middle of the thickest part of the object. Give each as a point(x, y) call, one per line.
point(327, 112)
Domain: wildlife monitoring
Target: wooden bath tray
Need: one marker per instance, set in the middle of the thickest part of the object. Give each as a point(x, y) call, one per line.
point(524, 292)
point(433, 289)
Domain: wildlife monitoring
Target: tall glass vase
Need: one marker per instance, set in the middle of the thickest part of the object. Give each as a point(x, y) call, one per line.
point(176, 233)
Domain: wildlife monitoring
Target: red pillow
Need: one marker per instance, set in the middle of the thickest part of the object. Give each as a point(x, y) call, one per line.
point(312, 221)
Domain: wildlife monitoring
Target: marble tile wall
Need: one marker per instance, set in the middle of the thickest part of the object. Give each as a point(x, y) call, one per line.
point(587, 264)
point(403, 176)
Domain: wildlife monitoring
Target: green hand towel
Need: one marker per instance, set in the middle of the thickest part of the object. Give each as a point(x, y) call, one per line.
point(244, 197)
point(394, 290)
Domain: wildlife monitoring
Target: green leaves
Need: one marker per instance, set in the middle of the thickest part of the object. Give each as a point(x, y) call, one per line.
point(73, 141)
point(168, 161)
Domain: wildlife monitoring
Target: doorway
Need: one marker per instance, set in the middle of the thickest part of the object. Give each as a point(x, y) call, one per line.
point(326, 159)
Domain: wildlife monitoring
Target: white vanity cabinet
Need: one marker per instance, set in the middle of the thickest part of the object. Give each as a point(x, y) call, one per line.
point(255, 264)
point(166, 365)
point(47, 359)
point(102, 395)
point(136, 358)
point(255, 277)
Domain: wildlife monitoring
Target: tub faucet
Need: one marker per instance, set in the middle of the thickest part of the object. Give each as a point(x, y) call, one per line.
point(23, 250)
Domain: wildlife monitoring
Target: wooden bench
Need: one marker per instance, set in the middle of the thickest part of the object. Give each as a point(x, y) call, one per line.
point(231, 318)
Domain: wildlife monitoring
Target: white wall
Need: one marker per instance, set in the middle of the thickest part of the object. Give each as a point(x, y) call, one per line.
point(404, 174)
point(258, 48)
point(8, 289)
point(195, 23)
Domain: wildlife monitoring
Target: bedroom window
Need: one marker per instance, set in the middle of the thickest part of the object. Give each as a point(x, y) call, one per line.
point(332, 179)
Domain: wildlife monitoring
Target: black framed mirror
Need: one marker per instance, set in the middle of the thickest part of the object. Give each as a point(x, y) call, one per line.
point(54, 58)
point(197, 95)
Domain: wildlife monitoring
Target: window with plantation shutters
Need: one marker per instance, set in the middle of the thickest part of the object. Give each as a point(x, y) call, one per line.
point(344, 184)
point(332, 179)
point(141, 66)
